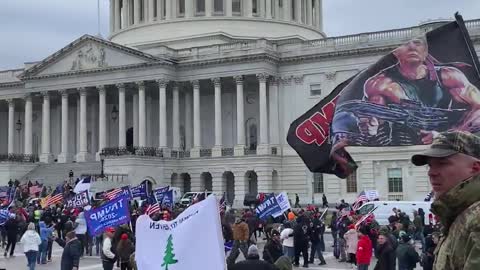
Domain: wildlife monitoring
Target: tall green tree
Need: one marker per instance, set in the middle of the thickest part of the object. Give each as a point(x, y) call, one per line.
point(169, 257)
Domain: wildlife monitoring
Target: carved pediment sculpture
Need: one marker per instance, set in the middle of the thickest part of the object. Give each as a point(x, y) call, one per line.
point(89, 57)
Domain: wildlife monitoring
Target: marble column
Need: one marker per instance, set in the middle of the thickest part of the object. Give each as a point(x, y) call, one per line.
point(82, 155)
point(189, 9)
point(277, 9)
point(28, 125)
point(208, 8)
point(263, 145)
point(151, 10)
point(319, 18)
point(102, 120)
point(117, 15)
point(136, 11)
point(112, 15)
point(160, 9)
point(298, 11)
point(309, 14)
point(11, 126)
point(287, 10)
point(142, 122)
point(240, 146)
point(176, 118)
point(122, 131)
point(46, 156)
point(217, 150)
point(248, 8)
point(228, 8)
point(268, 8)
point(124, 14)
point(273, 111)
point(197, 130)
point(162, 113)
point(168, 9)
point(135, 119)
point(174, 8)
point(188, 119)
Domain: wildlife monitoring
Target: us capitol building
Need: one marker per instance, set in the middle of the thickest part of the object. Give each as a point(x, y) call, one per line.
point(198, 95)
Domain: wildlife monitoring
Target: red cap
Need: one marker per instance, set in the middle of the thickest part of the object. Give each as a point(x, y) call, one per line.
point(124, 236)
point(351, 226)
point(110, 230)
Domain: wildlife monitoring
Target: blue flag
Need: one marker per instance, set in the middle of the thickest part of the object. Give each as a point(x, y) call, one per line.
point(4, 192)
point(160, 192)
point(268, 207)
point(168, 199)
point(4, 216)
point(140, 191)
point(113, 213)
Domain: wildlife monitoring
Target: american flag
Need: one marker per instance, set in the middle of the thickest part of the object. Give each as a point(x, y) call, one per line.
point(362, 198)
point(222, 204)
point(152, 209)
point(113, 193)
point(55, 197)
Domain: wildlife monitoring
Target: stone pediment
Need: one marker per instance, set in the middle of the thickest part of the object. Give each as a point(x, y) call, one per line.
point(88, 54)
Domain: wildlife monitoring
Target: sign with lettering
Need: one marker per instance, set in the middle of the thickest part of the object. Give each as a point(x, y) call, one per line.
point(268, 207)
point(113, 213)
point(79, 200)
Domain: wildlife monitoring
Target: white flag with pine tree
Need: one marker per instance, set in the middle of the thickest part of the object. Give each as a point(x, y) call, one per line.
point(192, 241)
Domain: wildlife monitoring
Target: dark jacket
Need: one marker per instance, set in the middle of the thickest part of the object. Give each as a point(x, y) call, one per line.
point(253, 263)
point(301, 234)
point(71, 253)
point(272, 251)
point(407, 256)
point(11, 227)
point(385, 256)
point(124, 253)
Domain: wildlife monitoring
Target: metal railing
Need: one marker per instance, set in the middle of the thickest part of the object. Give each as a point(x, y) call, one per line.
point(112, 177)
point(249, 152)
point(19, 158)
point(227, 152)
point(132, 151)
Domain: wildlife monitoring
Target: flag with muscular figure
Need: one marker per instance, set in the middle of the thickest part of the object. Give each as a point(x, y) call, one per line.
point(427, 85)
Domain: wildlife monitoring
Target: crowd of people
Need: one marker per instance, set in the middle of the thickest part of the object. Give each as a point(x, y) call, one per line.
point(300, 234)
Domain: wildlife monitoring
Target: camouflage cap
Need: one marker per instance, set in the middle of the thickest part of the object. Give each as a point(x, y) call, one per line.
point(450, 143)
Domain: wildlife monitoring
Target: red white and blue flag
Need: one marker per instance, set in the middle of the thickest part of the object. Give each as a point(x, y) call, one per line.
point(152, 209)
point(361, 199)
point(113, 193)
point(55, 197)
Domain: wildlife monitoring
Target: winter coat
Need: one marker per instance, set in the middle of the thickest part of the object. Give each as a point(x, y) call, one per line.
point(71, 253)
point(364, 250)
point(252, 263)
point(124, 253)
point(301, 234)
point(240, 231)
point(45, 232)
point(11, 226)
point(407, 256)
point(351, 237)
point(30, 240)
point(385, 256)
point(272, 251)
point(283, 263)
point(287, 237)
point(459, 212)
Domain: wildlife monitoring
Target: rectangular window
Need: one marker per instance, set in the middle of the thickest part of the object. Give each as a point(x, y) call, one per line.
point(218, 6)
point(255, 8)
point(293, 7)
point(318, 183)
point(395, 181)
point(236, 7)
point(315, 90)
point(164, 9)
point(200, 7)
point(155, 8)
point(181, 7)
point(352, 182)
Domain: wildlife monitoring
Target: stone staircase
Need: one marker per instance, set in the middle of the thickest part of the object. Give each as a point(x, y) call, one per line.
point(55, 173)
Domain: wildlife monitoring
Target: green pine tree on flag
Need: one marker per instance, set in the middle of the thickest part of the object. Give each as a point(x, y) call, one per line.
point(169, 257)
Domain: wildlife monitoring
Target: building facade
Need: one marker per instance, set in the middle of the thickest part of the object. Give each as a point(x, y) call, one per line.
point(198, 95)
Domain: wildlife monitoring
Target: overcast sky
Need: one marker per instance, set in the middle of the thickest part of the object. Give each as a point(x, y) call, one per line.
point(30, 30)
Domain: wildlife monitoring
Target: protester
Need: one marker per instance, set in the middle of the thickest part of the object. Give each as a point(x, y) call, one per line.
point(252, 262)
point(297, 201)
point(454, 167)
point(301, 234)
point(428, 257)
point(11, 227)
point(284, 263)
point(364, 249)
point(125, 249)
point(287, 241)
point(108, 255)
point(333, 228)
point(45, 235)
point(72, 249)
point(318, 245)
point(240, 238)
point(385, 254)
point(406, 254)
point(273, 249)
point(31, 241)
point(351, 238)
point(81, 230)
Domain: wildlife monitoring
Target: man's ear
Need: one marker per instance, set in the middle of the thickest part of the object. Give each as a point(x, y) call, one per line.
point(476, 167)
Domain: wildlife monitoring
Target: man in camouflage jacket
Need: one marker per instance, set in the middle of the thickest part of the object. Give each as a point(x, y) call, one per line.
point(454, 172)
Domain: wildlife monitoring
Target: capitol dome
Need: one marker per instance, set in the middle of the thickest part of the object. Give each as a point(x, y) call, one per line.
point(187, 23)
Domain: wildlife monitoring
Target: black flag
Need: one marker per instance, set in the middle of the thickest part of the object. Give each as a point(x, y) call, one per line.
point(428, 85)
